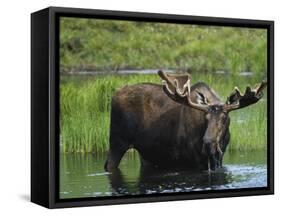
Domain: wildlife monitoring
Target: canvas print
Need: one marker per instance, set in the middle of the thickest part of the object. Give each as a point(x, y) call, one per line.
point(148, 108)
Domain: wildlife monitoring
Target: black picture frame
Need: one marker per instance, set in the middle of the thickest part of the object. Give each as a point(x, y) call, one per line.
point(45, 100)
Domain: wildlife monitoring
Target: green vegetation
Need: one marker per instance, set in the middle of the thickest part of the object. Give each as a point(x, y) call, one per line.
point(85, 104)
point(106, 45)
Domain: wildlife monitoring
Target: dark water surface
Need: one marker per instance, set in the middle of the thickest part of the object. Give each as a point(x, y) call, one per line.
point(82, 175)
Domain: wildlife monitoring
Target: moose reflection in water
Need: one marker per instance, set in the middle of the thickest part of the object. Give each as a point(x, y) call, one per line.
point(152, 180)
point(175, 125)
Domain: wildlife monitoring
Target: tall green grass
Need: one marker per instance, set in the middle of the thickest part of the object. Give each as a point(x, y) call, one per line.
point(85, 105)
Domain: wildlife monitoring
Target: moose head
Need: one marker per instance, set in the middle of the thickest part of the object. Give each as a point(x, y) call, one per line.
point(216, 113)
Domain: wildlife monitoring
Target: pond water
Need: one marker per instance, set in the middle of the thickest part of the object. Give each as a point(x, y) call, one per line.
point(82, 175)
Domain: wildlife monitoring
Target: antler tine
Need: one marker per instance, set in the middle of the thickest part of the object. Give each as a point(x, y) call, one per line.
point(182, 93)
point(178, 92)
point(164, 83)
point(261, 86)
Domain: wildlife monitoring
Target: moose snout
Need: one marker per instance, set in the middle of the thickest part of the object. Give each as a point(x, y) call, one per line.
point(208, 148)
point(208, 145)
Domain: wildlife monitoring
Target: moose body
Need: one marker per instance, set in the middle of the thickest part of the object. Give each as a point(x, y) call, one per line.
point(166, 128)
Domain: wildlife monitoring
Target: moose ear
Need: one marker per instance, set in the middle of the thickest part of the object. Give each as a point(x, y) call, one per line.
point(201, 99)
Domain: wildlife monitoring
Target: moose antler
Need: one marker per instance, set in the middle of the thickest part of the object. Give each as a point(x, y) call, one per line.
point(171, 86)
point(178, 94)
point(237, 101)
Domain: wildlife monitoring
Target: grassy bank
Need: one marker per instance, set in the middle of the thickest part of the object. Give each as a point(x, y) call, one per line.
point(85, 106)
point(92, 44)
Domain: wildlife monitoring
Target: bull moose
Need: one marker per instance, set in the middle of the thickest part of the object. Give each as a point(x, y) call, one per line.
point(174, 125)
